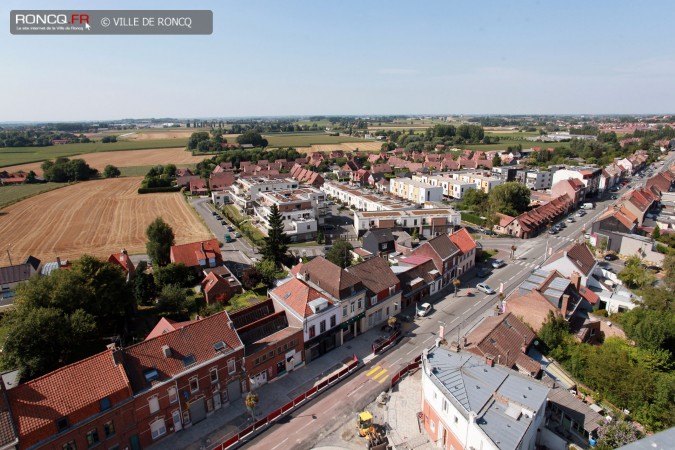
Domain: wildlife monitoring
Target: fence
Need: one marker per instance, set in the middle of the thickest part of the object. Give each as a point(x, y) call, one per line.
point(234, 440)
point(417, 362)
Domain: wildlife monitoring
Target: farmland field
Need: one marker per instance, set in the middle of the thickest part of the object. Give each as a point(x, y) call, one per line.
point(21, 155)
point(129, 158)
point(94, 217)
point(306, 139)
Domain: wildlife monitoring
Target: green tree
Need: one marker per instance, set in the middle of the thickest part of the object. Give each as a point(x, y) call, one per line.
point(497, 161)
point(554, 330)
point(253, 138)
point(475, 200)
point(31, 177)
point(669, 269)
point(267, 270)
point(276, 243)
point(175, 273)
point(617, 433)
point(509, 198)
point(111, 171)
point(656, 233)
point(339, 254)
point(143, 285)
point(635, 275)
point(172, 298)
point(160, 239)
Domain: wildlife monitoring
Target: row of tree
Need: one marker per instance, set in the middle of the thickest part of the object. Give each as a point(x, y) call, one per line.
point(64, 169)
point(37, 138)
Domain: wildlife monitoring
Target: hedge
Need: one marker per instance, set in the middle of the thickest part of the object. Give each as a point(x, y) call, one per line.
point(159, 189)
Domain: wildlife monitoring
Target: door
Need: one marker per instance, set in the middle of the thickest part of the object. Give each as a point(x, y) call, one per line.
point(216, 400)
point(233, 390)
point(177, 424)
point(198, 410)
point(135, 442)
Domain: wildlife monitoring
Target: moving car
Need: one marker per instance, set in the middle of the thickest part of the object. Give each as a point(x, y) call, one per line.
point(483, 272)
point(485, 288)
point(498, 263)
point(424, 309)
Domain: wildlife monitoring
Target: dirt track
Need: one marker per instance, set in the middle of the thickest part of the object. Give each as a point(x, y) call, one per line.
point(94, 217)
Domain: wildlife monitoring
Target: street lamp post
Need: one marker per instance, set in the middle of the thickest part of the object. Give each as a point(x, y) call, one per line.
point(456, 283)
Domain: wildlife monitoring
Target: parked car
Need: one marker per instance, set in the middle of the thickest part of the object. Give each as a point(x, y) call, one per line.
point(498, 263)
point(237, 234)
point(571, 219)
point(587, 235)
point(222, 222)
point(552, 231)
point(213, 213)
point(228, 238)
point(485, 288)
point(611, 257)
point(562, 225)
point(483, 272)
point(424, 309)
point(581, 213)
point(230, 228)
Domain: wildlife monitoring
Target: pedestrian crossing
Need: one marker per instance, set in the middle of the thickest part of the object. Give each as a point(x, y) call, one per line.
point(378, 374)
point(525, 264)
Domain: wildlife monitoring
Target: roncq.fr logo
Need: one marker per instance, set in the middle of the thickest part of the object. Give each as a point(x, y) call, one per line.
point(51, 19)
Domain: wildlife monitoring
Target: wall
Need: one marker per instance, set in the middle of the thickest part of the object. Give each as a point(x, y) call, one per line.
point(551, 440)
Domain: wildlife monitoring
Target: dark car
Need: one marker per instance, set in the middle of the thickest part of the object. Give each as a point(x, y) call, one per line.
point(483, 272)
point(610, 257)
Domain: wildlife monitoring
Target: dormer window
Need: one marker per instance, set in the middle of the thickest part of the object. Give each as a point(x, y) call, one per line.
point(62, 424)
point(105, 403)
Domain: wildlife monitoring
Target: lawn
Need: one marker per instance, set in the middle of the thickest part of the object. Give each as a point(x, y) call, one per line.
point(12, 194)
point(306, 139)
point(20, 155)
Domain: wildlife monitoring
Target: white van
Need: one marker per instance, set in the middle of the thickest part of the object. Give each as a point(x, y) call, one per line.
point(587, 206)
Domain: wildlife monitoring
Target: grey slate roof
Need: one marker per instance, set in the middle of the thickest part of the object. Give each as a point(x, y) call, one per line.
point(496, 395)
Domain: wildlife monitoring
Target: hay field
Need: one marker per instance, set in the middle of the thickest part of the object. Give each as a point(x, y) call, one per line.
point(152, 135)
point(128, 158)
point(364, 146)
point(94, 217)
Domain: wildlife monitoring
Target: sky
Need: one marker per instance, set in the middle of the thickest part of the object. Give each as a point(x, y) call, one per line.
point(349, 57)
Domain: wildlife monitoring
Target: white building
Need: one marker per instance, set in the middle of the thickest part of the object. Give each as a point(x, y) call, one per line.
point(246, 190)
point(415, 191)
point(471, 403)
point(364, 200)
point(432, 222)
point(302, 211)
point(538, 180)
point(451, 187)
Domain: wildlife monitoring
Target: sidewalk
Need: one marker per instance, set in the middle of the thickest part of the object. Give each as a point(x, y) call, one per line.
point(401, 415)
point(230, 418)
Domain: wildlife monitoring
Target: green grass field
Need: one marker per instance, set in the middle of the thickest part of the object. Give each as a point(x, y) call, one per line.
point(306, 139)
point(514, 135)
point(22, 155)
point(13, 194)
point(140, 171)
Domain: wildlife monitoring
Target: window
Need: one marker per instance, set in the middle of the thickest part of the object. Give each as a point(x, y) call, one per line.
point(157, 428)
point(312, 332)
point(383, 246)
point(332, 321)
point(373, 300)
point(456, 419)
point(62, 423)
point(70, 445)
point(173, 395)
point(322, 326)
point(92, 438)
point(392, 289)
point(109, 429)
point(214, 375)
point(231, 367)
point(352, 308)
point(344, 311)
point(194, 384)
point(358, 304)
point(153, 403)
point(445, 405)
point(105, 403)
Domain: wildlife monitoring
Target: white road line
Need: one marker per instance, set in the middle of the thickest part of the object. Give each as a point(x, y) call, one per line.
point(306, 425)
point(397, 360)
point(428, 339)
point(280, 443)
point(413, 350)
point(454, 320)
point(354, 391)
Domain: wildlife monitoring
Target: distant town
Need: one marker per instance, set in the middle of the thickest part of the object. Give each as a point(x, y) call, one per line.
point(441, 281)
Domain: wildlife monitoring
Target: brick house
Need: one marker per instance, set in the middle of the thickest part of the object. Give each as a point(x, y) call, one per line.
point(274, 348)
point(383, 289)
point(199, 187)
point(197, 255)
point(122, 260)
point(444, 255)
point(419, 278)
point(180, 377)
point(467, 248)
point(77, 406)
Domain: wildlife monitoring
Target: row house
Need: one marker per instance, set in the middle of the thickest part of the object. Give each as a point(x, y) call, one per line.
point(505, 173)
point(662, 182)
point(467, 250)
point(344, 289)
point(572, 187)
point(444, 253)
point(383, 290)
point(221, 181)
point(360, 177)
point(419, 279)
point(452, 188)
point(364, 200)
point(531, 223)
point(640, 202)
point(306, 176)
point(613, 224)
point(312, 311)
point(415, 191)
point(428, 222)
point(535, 180)
point(273, 348)
point(589, 176)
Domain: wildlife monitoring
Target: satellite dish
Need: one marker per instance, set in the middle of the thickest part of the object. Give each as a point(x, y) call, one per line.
point(536, 342)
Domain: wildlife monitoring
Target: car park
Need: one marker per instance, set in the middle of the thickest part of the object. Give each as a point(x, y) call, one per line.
point(485, 288)
point(424, 309)
point(498, 263)
point(483, 272)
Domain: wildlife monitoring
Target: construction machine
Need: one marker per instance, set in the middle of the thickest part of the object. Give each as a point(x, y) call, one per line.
point(374, 434)
point(364, 422)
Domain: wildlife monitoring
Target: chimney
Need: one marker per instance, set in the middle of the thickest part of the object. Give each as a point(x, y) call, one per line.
point(489, 360)
point(576, 280)
point(565, 303)
point(58, 261)
point(166, 350)
point(203, 251)
point(117, 356)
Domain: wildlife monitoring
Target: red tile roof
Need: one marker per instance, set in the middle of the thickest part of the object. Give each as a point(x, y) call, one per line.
point(463, 240)
point(73, 391)
point(166, 325)
point(375, 274)
point(197, 339)
point(190, 254)
point(589, 295)
point(579, 255)
point(122, 260)
point(415, 260)
point(330, 278)
point(296, 294)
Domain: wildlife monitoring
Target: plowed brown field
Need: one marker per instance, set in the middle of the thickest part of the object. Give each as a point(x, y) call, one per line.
point(94, 217)
point(126, 158)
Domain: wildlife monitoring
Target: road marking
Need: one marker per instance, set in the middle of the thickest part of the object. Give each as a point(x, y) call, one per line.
point(373, 371)
point(354, 391)
point(428, 339)
point(280, 443)
point(383, 380)
point(397, 361)
point(306, 425)
point(384, 371)
point(413, 350)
